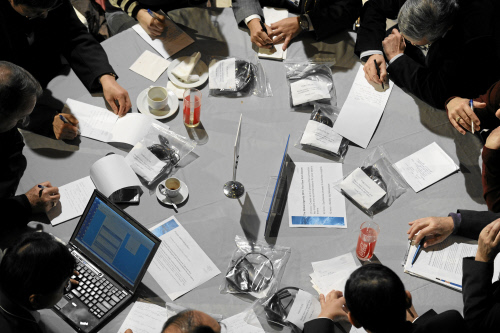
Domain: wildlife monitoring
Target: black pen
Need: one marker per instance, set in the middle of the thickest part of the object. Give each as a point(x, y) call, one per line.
point(264, 29)
point(378, 72)
point(419, 249)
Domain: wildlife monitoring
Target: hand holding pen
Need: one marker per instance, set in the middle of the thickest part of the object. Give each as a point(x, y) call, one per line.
point(43, 197)
point(152, 22)
point(65, 126)
point(259, 34)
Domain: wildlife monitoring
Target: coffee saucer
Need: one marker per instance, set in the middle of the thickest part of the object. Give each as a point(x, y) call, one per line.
point(180, 198)
point(143, 106)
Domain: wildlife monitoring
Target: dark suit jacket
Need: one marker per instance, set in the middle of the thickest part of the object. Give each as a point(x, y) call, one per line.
point(430, 322)
point(444, 72)
point(473, 222)
point(327, 16)
point(15, 319)
point(16, 210)
point(37, 45)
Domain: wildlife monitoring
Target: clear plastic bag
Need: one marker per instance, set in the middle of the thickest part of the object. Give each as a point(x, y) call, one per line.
point(158, 153)
point(310, 82)
point(173, 309)
point(249, 78)
point(364, 186)
point(255, 268)
point(319, 134)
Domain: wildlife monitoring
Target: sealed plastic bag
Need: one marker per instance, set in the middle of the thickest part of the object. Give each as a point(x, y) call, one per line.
point(158, 153)
point(310, 82)
point(233, 77)
point(319, 134)
point(375, 185)
point(255, 268)
point(174, 309)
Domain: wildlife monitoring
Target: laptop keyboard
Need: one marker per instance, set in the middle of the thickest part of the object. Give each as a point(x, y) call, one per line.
point(98, 293)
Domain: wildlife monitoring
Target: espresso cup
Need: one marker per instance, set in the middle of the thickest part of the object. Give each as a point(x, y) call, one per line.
point(158, 99)
point(173, 186)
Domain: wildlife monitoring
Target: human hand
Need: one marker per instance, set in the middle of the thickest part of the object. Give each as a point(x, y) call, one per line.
point(285, 30)
point(258, 36)
point(114, 92)
point(332, 306)
point(393, 44)
point(65, 131)
point(489, 242)
point(493, 140)
point(435, 229)
point(458, 108)
point(154, 26)
point(371, 71)
point(42, 200)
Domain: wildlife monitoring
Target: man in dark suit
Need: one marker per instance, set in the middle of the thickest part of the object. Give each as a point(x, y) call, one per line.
point(35, 34)
point(375, 299)
point(322, 17)
point(481, 296)
point(434, 50)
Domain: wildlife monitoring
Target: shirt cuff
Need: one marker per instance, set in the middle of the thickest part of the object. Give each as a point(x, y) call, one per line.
point(394, 59)
point(457, 220)
point(311, 28)
point(364, 55)
point(251, 17)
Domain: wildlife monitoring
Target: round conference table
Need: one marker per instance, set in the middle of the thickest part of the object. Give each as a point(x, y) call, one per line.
point(213, 220)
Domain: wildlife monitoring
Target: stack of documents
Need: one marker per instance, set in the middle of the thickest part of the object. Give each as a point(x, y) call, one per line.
point(332, 274)
point(273, 15)
point(442, 263)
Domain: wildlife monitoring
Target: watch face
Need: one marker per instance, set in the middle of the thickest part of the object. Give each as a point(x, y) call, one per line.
point(304, 23)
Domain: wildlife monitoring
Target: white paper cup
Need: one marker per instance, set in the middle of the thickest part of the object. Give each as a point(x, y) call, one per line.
point(157, 100)
point(173, 186)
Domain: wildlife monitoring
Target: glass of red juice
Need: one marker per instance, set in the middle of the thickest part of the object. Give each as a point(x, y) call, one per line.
point(367, 239)
point(191, 113)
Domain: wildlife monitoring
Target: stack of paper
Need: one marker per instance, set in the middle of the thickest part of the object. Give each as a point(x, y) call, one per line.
point(425, 167)
point(145, 318)
point(150, 65)
point(273, 15)
point(244, 322)
point(332, 274)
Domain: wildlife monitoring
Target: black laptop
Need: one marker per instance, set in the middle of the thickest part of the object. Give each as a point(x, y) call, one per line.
point(113, 252)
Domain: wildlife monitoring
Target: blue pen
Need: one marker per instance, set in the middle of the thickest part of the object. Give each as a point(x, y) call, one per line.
point(451, 283)
point(41, 186)
point(66, 121)
point(419, 249)
point(471, 104)
point(150, 12)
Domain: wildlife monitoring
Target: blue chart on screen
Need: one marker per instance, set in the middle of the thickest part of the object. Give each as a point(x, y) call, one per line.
point(114, 240)
point(318, 220)
point(165, 228)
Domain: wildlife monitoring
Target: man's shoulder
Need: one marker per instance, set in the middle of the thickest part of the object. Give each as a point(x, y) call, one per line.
point(450, 321)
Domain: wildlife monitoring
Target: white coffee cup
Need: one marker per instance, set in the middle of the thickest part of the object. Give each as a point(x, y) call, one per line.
point(158, 99)
point(173, 186)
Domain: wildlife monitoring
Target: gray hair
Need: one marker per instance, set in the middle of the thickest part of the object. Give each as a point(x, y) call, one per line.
point(418, 19)
point(17, 87)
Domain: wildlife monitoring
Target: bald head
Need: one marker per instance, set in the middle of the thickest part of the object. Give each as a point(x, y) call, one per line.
point(191, 321)
point(19, 91)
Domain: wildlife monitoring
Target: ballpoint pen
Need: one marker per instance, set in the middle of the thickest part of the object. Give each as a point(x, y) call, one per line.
point(41, 187)
point(471, 104)
point(265, 30)
point(378, 71)
point(153, 14)
point(66, 121)
point(419, 249)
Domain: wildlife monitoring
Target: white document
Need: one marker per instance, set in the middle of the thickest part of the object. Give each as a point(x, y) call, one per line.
point(332, 274)
point(103, 125)
point(425, 167)
point(305, 90)
point(179, 265)
point(315, 201)
point(171, 41)
point(321, 136)
point(239, 323)
point(145, 318)
point(362, 188)
point(144, 162)
point(109, 174)
point(362, 111)
point(74, 199)
point(222, 74)
point(442, 263)
point(150, 65)
point(305, 307)
point(273, 15)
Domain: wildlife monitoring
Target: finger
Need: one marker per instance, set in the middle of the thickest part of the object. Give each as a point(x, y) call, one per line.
point(121, 103)
point(287, 41)
point(416, 227)
point(73, 281)
point(46, 184)
point(265, 38)
point(372, 72)
point(494, 229)
point(111, 102)
point(472, 116)
point(462, 122)
point(427, 231)
point(128, 103)
point(55, 198)
point(383, 71)
point(321, 299)
point(430, 241)
point(457, 126)
point(53, 190)
point(479, 105)
point(71, 118)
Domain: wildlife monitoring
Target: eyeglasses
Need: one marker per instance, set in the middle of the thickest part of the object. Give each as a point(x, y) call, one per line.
point(44, 12)
point(278, 306)
point(252, 272)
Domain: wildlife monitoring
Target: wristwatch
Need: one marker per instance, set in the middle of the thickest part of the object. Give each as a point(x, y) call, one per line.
point(304, 22)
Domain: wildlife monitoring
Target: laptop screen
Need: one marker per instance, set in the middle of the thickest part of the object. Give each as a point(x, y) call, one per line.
point(114, 240)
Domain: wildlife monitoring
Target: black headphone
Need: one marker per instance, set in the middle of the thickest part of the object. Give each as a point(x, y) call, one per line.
point(245, 276)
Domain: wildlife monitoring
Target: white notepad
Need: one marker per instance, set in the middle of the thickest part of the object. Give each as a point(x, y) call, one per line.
point(273, 15)
point(150, 65)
